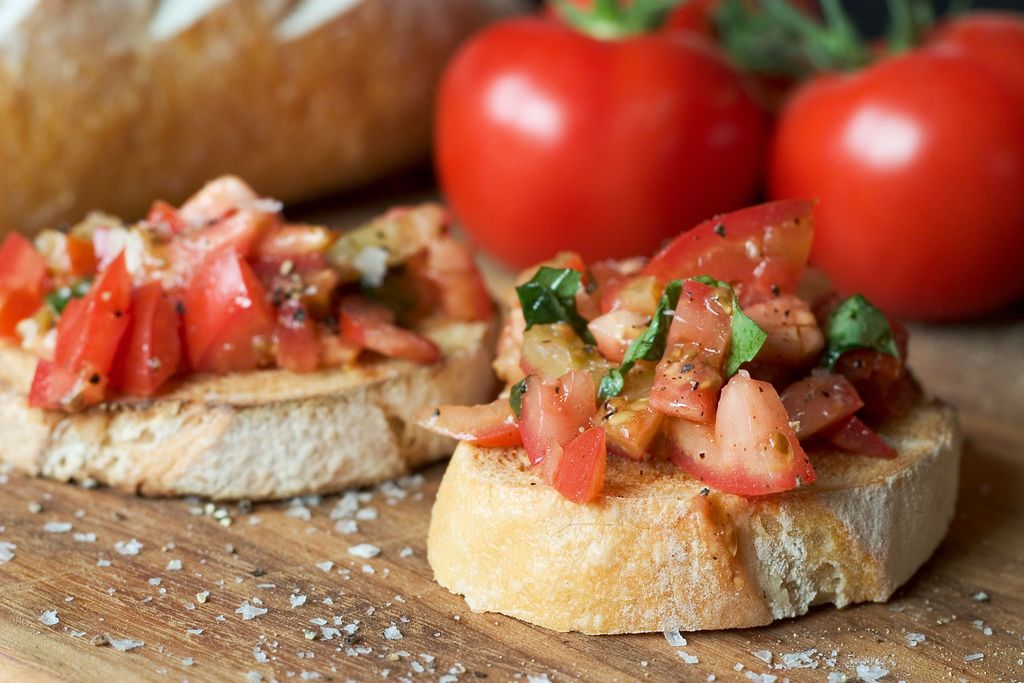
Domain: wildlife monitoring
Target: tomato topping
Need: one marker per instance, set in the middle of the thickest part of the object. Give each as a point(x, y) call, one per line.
point(491, 425)
point(631, 426)
point(688, 378)
point(298, 348)
point(55, 387)
point(760, 250)
point(751, 449)
point(216, 199)
point(228, 321)
point(91, 328)
point(579, 472)
point(554, 412)
point(552, 350)
point(463, 294)
point(165, 218)
point(616, 330)
point(150, 352)
point(371, 326)
point(820, 401)
point(22, 276)
point(240, 232)
point(640, 294)
point(853, 435)
point(294, 241)
point(794, 337)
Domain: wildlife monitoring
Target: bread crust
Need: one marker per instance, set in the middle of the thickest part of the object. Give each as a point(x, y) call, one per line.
point(106, 104)
point(654, 553)
point(258, 435)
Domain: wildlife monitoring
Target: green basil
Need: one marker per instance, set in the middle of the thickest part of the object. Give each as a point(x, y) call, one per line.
point(550, 297)
point(515, 397)
point(58, 299)
point(746, 338)
point(857, 324)
point(650, 345)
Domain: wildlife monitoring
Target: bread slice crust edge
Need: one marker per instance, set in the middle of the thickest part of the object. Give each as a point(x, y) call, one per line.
point(655, 553)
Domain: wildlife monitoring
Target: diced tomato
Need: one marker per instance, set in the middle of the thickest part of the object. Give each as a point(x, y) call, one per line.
point(298, 348)
point(463, 295)
point(492, 425)
point(239, 232)
point(294, 241)
point(759, 250)
point(881, 380)
point(820, 401)
point(554, 412)
point(751, 450)
point(336, 351)
point(228, 321)
point(853, 435)
point(639, 293)
point(689, 376)
point(216, 199)
point(22, 277)
point(150, 352)
point(165, 219)
point(631, 427)
point(579, 473)
point(55, 387)
point(371, 326)
point(552, 350)
point(794, 337)
point(616, 330)
point(90, 330)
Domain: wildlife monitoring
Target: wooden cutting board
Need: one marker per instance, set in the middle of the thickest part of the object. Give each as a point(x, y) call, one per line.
point(329, 612)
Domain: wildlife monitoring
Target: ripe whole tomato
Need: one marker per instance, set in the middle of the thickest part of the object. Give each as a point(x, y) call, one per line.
point(549, 139)
point(918, 163)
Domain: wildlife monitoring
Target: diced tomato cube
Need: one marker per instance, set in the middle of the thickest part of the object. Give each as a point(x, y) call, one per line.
point(492, 425)
point(370, 326)
point(150, 352)
point(853, 435)
point(579, 473)
point(298, 348)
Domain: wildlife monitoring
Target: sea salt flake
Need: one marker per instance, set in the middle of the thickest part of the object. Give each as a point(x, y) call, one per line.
point(84, 537)
point(330, 633)
point(250, 612)
point(75, 634)
point(125, 644)
point(405, 552)
point(367, 514)
point(297, 600)
point(392, 633)
point(49, 618)
point(155, 581)
point(187, 661)
point(973, 657)
point(194, 631)
point(871, 673)
point(915, 639)
point(764, 655)
point(325, 566)
point(674, 638)
point(364, 550)
point(103, 563)
point(57, 527)
point(318, 621)
point(6, 551)
point(543, 678)
point(367, 569)
point(174, 565)
point(129, 548)
point(838, 677)
point(761, 678)
point(688, 658)
point(346, 526)
point(800, 660)
point(299, 512)
point(254, 677)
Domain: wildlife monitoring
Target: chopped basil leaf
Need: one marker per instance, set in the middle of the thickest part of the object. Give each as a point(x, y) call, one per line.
point(746, 337)
point(515, 397)
point(857, 324)
point(58, 299)
point(550, 297)
point(650, 345)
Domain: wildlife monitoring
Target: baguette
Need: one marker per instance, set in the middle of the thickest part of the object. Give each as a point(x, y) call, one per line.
point(657, 552)
point(106, 104)
point(259, 435)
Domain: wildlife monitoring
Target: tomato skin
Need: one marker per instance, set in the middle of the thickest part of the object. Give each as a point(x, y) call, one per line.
point(554, 412)
point(371, 326)
point(22, 276)
point(606, 147)
point(820, 401)
point(449, 266)
point(55, 387)
point(150, 352)
point(994, 39)
point(920, 205)
point(165, 218)
point(90, 330)
point(579, 474)
point(853, 435)
point(492, 425)
point(298, 348)
point(227, 316)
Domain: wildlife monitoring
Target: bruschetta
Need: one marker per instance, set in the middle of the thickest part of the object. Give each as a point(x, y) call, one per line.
point(215, 349)
point(687, 442)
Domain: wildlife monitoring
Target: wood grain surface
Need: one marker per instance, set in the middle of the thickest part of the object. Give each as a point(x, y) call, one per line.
point(965, 608)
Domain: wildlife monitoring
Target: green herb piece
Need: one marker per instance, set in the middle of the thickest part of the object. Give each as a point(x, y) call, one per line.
point(746, 338)
point(58, 299)
point(515, 397)
point(857, 324)
point(650, 345)
point(550, 297)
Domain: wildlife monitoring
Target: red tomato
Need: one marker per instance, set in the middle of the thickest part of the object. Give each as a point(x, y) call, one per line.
point(615, 331)
point(228, 321)
point(994, 39)
point(921, 204)
point(298, 348)
point(760, 250)
point(853, 435)
point(372, 327)
point(820, 401)
point(90, 329)
point(450, 267)
point(54, 387)
point(751, 449)
point(579, 473)
point(491, 425)
point(165, 218)
point(794, 338)
point(631, 427)
point(150, 352)
point(548, 139)
point(554, 412)
point(239, 232)
point(217, 199)
point(22, 276)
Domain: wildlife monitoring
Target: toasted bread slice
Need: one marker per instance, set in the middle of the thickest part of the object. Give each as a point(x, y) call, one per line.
point(257, 435)
point(659, 551)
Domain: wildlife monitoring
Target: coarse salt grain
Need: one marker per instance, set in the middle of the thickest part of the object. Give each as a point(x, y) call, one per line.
point(405, 552)
point(129, 548)
point(364, 550)
point(974, 657)
point(249, 611)
point(297, 600)
point(367, 514)
point(6, 551)
point(49, 618)
point(674, 638)
point(325, 566)
point(124, 644)
point(103, 563)
point(194, 631)
point(155, 581)
point(392, 633)
point(174, 565)
point(346, 526)
point(57, 527)
point(871, 673)
point(84, 537)
point(764, 655)
point(688, 658)
point(838, 677)
point(915, 639)
point(761, 678)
